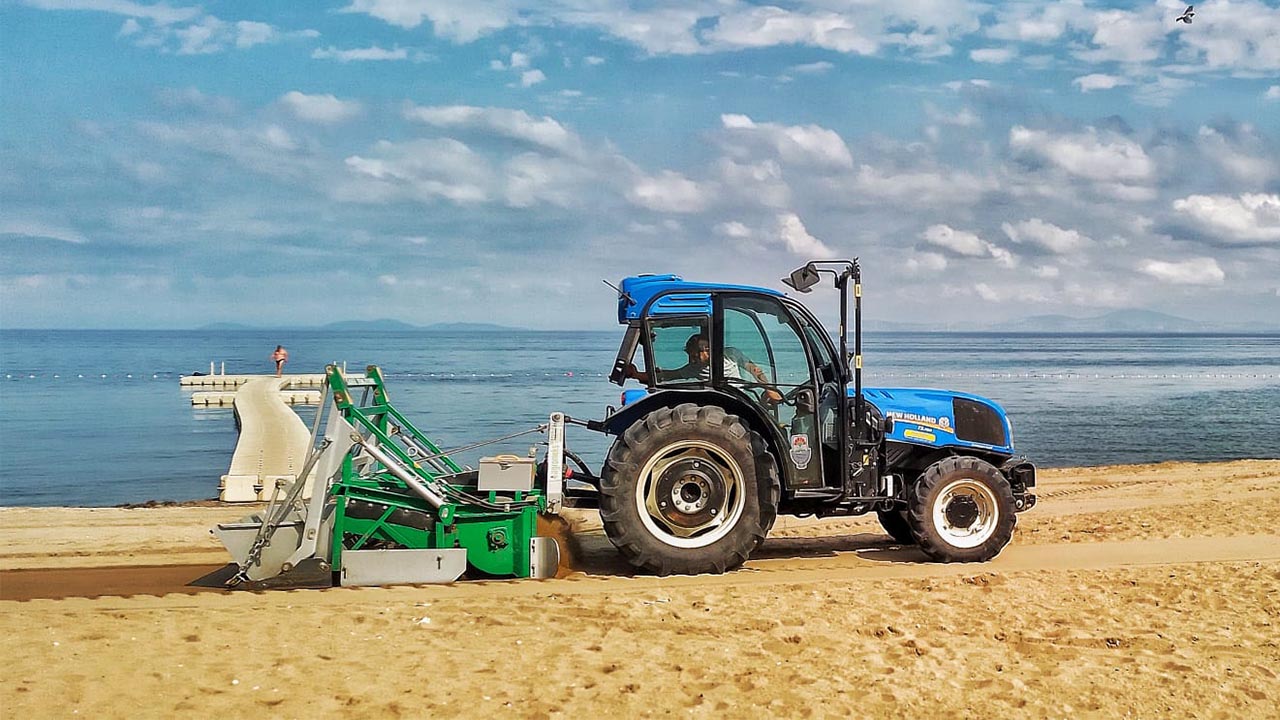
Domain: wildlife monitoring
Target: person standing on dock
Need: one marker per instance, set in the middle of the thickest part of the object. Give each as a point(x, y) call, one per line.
point(281, 356)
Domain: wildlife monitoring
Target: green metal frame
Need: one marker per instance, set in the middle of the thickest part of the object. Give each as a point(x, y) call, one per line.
point(497, 541)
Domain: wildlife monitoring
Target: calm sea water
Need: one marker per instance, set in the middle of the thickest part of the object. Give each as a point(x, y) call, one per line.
point(97, 418)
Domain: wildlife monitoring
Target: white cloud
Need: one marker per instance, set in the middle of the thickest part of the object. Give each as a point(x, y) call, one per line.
point(1162, 91)
point(460, 22)
point(265, 150)
point(198, 34)
point(515, 124)
point(1098, 81)
point(798, 144)
point(250, 33)
point(957, 241)
point(1240, 152)
point(919, 187)
point(1195, 271)
point(1246, 219)
point(923, 28)
point(964, 117)
point(38, 229)
point(924, 263)
point(669, 191)
point(1090, 154)
point(593, 60)
point(986, 292)
point(796, 238)
point(1272, 93)
point(159, 12)
point(210, 35)
point(993, 56)
point(191, 97)
point(1056, 240)
point(420, 170)
point(1237, 36)
point(325, 109)
point(733, 229)
point(813, 68)
point(966, 244)
point(756, 183)
point(532, 179)
point(529, 78)
point(1126, 37)
point(957, 85)
point(767, 26)
point(1034, 22)
point(372, 53)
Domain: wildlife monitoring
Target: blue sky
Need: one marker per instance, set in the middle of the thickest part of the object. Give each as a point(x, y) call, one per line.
point(284, 163)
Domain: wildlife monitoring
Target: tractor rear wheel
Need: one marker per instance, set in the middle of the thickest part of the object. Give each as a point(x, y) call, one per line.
point(688, 490)
point(895, 523)
point(961, 510)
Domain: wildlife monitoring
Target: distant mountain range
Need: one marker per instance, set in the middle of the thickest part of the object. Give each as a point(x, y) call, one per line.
point(382, 325)
point(1116, 321)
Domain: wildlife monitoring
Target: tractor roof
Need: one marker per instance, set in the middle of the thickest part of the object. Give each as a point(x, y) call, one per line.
point(689, 298)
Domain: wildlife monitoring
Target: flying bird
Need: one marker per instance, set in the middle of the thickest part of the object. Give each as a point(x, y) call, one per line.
point(1186, 15)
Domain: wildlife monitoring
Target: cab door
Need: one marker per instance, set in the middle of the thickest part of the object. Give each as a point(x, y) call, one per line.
point(760, 347)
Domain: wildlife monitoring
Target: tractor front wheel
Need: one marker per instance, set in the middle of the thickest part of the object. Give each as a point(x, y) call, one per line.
point(961, 510)
point(688, 490)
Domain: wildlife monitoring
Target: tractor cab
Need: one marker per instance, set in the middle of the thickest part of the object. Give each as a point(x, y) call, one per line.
point(763, 353)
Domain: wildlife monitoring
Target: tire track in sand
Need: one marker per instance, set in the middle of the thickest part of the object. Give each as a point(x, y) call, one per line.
point(870, 563)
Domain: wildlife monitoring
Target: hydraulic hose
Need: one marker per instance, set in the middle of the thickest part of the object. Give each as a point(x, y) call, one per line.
point(397, 469)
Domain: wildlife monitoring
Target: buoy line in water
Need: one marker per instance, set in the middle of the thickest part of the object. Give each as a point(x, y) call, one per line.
point(169, 375)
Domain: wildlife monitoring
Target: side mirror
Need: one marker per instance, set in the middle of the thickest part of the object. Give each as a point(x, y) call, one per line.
point(802, 278)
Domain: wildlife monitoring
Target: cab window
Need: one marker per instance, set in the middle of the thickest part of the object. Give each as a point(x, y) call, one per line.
point(760, 332)
point(668, 340)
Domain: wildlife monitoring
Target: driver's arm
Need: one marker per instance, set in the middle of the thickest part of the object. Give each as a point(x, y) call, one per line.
point(760, 376)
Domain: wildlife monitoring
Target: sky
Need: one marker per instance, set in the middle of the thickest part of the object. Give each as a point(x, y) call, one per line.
point(271, 163)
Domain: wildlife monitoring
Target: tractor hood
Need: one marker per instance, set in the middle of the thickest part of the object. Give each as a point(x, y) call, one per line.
point(943, 418)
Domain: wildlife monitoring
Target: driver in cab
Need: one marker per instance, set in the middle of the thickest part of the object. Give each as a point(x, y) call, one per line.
point(698, 349)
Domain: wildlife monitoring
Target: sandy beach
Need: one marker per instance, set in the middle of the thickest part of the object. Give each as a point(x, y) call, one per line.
point(1128, 591)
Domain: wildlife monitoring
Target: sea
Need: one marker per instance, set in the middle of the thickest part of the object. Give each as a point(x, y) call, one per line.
point(97, 418)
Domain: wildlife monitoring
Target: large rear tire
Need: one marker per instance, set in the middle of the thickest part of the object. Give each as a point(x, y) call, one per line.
point(961, 510)
point(895, 523)
point(688, 490)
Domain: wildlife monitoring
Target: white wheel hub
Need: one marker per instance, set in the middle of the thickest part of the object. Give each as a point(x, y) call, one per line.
point(965, 513)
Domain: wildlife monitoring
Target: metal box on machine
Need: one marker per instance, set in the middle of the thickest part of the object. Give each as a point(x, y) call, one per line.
point(506, 473)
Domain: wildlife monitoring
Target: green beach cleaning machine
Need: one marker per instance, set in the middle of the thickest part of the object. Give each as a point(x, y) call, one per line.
point(388, 506)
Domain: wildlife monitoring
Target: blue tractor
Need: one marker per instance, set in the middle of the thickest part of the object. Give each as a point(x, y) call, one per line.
point(750, 409)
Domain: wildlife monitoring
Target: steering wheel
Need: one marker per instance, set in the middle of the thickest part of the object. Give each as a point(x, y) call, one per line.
point(790, 397)
point(762, 393)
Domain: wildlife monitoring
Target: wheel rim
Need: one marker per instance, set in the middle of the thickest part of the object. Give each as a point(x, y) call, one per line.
point(690, 494)
point(966, 513)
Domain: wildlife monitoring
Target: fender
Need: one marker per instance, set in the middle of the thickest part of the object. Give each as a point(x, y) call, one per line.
point(618, 422)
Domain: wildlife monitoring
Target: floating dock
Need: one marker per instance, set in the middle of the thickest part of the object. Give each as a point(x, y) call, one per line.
point(273, 442)
point(221, 398)
point(235, 381)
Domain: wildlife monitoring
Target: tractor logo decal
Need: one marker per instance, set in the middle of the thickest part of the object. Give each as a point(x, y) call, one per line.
point(925, 422)
point(918, 435)
point(801, 453)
